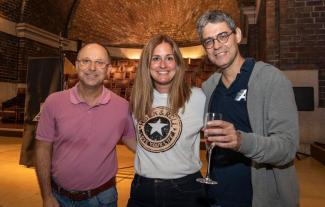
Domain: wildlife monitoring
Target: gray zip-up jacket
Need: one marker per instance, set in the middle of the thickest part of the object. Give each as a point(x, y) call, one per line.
point(275, 138)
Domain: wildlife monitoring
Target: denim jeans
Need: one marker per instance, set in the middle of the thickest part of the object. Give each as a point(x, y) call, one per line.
point(107, 198)
point(147, 192)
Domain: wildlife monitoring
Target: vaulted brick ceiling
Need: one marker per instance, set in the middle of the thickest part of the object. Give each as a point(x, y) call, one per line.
point(125, 23)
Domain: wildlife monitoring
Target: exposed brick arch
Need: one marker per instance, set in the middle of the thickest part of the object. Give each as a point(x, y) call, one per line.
point(124, 23)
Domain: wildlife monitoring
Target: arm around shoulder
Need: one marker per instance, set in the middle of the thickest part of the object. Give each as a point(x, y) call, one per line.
point(131, 143)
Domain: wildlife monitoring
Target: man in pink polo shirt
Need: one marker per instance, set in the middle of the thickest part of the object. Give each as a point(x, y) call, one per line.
point(77, 135)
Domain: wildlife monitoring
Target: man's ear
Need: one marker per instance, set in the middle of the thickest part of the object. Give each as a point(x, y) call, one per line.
point(238, 35)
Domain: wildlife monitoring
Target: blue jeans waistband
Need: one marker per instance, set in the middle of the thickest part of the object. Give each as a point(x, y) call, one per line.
point(140, 178)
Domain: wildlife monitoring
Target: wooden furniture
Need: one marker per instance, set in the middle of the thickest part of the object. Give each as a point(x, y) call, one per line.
point(317, 150)
point(12, 110)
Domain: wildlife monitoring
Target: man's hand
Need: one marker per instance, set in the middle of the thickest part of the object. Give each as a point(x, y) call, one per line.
point(223, 134)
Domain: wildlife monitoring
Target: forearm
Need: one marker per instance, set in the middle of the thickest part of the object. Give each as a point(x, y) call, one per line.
point(276, 138)
point(131, 143)
point(43, 167)
point(274, 120)
point(277, 149)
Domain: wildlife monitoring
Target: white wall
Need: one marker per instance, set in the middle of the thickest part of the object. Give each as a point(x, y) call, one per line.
point(312, 123)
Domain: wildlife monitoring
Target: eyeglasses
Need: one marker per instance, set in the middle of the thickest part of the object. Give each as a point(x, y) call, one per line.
point(221, 38)
point(85, 63)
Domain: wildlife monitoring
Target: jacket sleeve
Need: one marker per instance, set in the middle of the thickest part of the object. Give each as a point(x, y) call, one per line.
point(206, 91)
point(276, 135)
point(208, 87)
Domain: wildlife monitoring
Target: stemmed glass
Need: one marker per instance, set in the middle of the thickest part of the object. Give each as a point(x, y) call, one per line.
point(209, 117)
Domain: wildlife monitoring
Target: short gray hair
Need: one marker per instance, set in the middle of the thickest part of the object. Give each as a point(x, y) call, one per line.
point(214, 16)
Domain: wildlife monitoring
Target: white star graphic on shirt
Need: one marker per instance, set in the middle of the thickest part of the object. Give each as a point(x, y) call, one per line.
point(156, 127)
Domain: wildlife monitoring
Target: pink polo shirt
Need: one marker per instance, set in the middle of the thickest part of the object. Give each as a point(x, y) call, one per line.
point(84, 137)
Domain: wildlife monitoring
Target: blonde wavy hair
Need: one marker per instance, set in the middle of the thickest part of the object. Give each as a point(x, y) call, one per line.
point(142, 92)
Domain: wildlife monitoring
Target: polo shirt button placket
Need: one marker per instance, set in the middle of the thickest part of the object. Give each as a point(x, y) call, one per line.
point(89, 110)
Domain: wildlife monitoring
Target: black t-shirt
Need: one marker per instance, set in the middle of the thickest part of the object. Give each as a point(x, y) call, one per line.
point(232, 169)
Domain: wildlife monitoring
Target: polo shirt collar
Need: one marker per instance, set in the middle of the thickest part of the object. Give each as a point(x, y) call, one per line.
point(75, 98)
point(247, 65)
point(244, 74)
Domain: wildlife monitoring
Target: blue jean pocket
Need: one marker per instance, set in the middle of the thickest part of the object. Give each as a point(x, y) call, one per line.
point(108, 197)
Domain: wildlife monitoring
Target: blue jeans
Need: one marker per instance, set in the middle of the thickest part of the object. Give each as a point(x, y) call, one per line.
point(233, 189)
point(185, 191)
point(107, 198)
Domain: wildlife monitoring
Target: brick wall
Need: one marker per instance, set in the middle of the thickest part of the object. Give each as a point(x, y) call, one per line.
point(252, 41)
point(10, 9)
point(48, 15)
point(302, 34)
point(272, 32)
point(8, 58)
point(261, 31)
point(291, 36)
point(302, 37)
point(263, 37)
point(127, 19)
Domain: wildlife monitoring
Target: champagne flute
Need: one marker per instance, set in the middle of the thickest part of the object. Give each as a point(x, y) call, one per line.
point(209, 117)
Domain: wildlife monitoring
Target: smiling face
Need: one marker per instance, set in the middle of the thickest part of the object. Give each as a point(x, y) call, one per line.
point(222, 54)
point(163, 67)
point(92, 66)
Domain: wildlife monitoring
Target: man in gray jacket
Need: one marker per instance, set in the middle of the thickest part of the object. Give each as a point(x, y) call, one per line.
point(257, 139)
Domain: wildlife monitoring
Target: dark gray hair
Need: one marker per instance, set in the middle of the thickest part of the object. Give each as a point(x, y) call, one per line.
point(214, 16)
